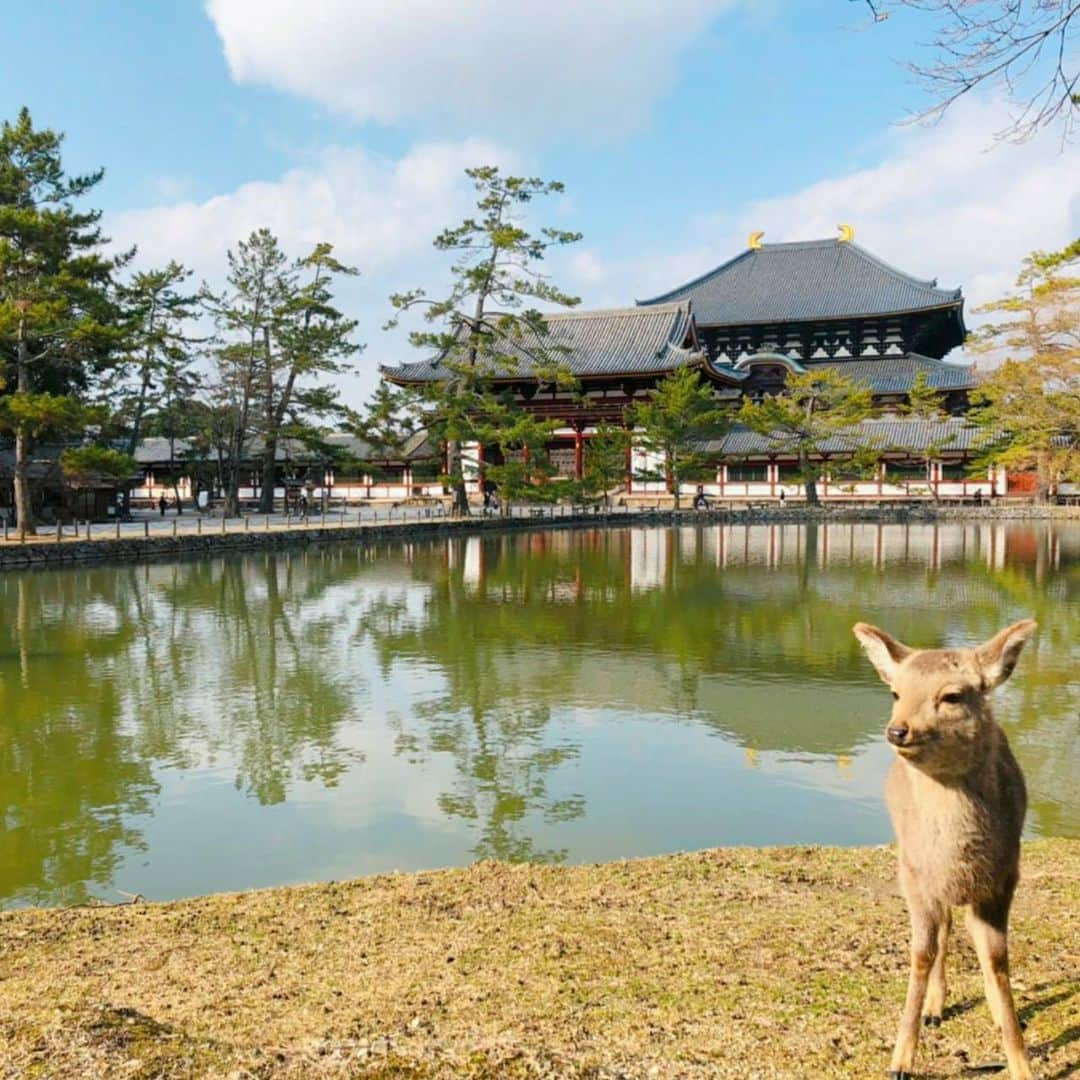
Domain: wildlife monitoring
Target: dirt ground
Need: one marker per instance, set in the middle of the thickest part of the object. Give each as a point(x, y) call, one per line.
point(728, 963)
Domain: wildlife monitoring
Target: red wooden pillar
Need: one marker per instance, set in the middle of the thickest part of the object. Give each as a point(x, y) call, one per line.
point(579, 462)
point(629, 468)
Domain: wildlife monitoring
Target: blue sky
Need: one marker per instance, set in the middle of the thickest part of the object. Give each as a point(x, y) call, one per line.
point(677, 127)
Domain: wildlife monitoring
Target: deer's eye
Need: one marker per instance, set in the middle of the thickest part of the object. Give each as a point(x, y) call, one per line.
point(953, 697)
point(895, 696)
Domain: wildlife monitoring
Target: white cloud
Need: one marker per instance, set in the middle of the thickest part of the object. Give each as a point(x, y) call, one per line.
point(944, 202)
point(594, 66)
point(375, 210)
point(380, 214)
point(938, 204)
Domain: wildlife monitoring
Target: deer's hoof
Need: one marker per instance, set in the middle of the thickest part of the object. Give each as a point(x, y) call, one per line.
point(931, 1021)
point(899, 1074)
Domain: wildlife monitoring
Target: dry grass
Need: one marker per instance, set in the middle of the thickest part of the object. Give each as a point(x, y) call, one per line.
point(741, 963)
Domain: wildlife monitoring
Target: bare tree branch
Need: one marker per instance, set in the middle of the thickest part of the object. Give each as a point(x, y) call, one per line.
point(1029, 47)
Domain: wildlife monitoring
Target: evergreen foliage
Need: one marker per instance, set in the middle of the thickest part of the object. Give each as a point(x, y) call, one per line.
point(674, 423)
point(58, 322)
point(487, 323)
point(1029, 406)
point(814, 408)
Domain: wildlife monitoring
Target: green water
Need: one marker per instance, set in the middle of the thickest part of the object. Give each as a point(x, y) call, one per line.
point(181, 728)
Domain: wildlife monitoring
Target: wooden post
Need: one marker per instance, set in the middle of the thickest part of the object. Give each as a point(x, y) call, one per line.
point(117, 526)
point(267, 523)
point(59, 531)
point(198, 526)
point(146, 530)
point(224, 520)
point(174, 524)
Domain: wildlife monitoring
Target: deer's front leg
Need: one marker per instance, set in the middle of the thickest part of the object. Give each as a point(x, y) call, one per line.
point(936, 989)
point(926, 920)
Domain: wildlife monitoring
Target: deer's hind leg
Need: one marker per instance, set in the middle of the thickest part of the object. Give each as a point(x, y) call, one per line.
point(926, 920)
point(936, 988)
point(988, 923)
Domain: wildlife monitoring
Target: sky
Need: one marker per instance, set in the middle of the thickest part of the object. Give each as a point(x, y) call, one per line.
point(678, 127)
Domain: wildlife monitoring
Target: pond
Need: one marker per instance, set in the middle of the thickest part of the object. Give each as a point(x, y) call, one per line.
point(171, 729)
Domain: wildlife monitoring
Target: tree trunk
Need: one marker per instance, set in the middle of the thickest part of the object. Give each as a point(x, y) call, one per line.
point(269, 477)
point(809, 480)
point(457, 477)
point(232, 491)
point(24, 513)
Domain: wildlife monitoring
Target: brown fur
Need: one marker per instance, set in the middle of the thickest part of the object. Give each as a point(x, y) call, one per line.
point(957, 801)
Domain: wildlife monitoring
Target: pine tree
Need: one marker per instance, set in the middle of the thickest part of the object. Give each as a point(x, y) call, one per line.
point(679, 417)
point(604, 464)
point(1029, 406)
point(57, 319)
point(812, 410)
point(486, 331)
point(924, 402)
point(159, 345)
point(258, 286)
point(524, 470)
point(387, 420)
point(308, 338)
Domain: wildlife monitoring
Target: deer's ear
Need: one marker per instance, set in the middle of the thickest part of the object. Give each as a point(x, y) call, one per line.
point(883, 650)
point(998, 656)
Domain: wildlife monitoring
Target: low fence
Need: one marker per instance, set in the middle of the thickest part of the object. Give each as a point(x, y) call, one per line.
point(153, 539)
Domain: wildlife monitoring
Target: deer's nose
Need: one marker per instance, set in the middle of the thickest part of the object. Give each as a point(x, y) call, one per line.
point(896, 734)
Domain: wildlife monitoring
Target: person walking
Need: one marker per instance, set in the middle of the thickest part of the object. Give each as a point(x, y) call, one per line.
point(162, 503)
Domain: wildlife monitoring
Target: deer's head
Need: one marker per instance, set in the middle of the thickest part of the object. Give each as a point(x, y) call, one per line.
point(940, 709)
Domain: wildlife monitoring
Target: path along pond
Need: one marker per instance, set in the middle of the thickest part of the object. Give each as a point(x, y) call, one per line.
point(171, 729)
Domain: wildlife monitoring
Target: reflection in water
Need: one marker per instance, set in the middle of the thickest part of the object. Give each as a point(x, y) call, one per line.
point(185, 727)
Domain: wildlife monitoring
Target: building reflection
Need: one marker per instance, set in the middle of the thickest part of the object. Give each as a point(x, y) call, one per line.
point(496, 658)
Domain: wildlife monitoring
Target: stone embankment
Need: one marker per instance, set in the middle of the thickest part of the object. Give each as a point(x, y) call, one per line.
point(49, 551)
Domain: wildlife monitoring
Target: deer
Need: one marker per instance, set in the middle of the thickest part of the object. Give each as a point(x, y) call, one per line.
point(957, 800)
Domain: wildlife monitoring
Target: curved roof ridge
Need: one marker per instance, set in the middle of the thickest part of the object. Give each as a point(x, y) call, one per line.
point(806, 281)
point(903, 275)
point(661, 298)
point(617, 312)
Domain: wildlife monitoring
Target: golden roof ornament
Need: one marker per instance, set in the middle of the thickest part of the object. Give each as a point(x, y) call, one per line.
point(755, 240)
point(847, 234)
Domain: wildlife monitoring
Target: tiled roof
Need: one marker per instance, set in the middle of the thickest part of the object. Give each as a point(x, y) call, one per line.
point(886, 375)
point(896, 374)
point(952, 435)
point(155, 451)
point(811, 279)
point(613, 342)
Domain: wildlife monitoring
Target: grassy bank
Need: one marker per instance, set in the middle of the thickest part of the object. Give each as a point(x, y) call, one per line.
point(741, 963)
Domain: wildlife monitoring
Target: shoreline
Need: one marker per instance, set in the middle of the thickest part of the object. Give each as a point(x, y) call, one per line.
point(739, 962)
point(48, 552)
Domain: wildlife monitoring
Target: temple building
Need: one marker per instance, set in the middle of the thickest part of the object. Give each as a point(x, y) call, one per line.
point(773, 310)
point(826, 303)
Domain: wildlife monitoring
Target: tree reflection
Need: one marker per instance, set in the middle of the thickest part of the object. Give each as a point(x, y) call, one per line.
point(729, 627)
point(110, 674)
point(497, 651)
point(71, 778)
